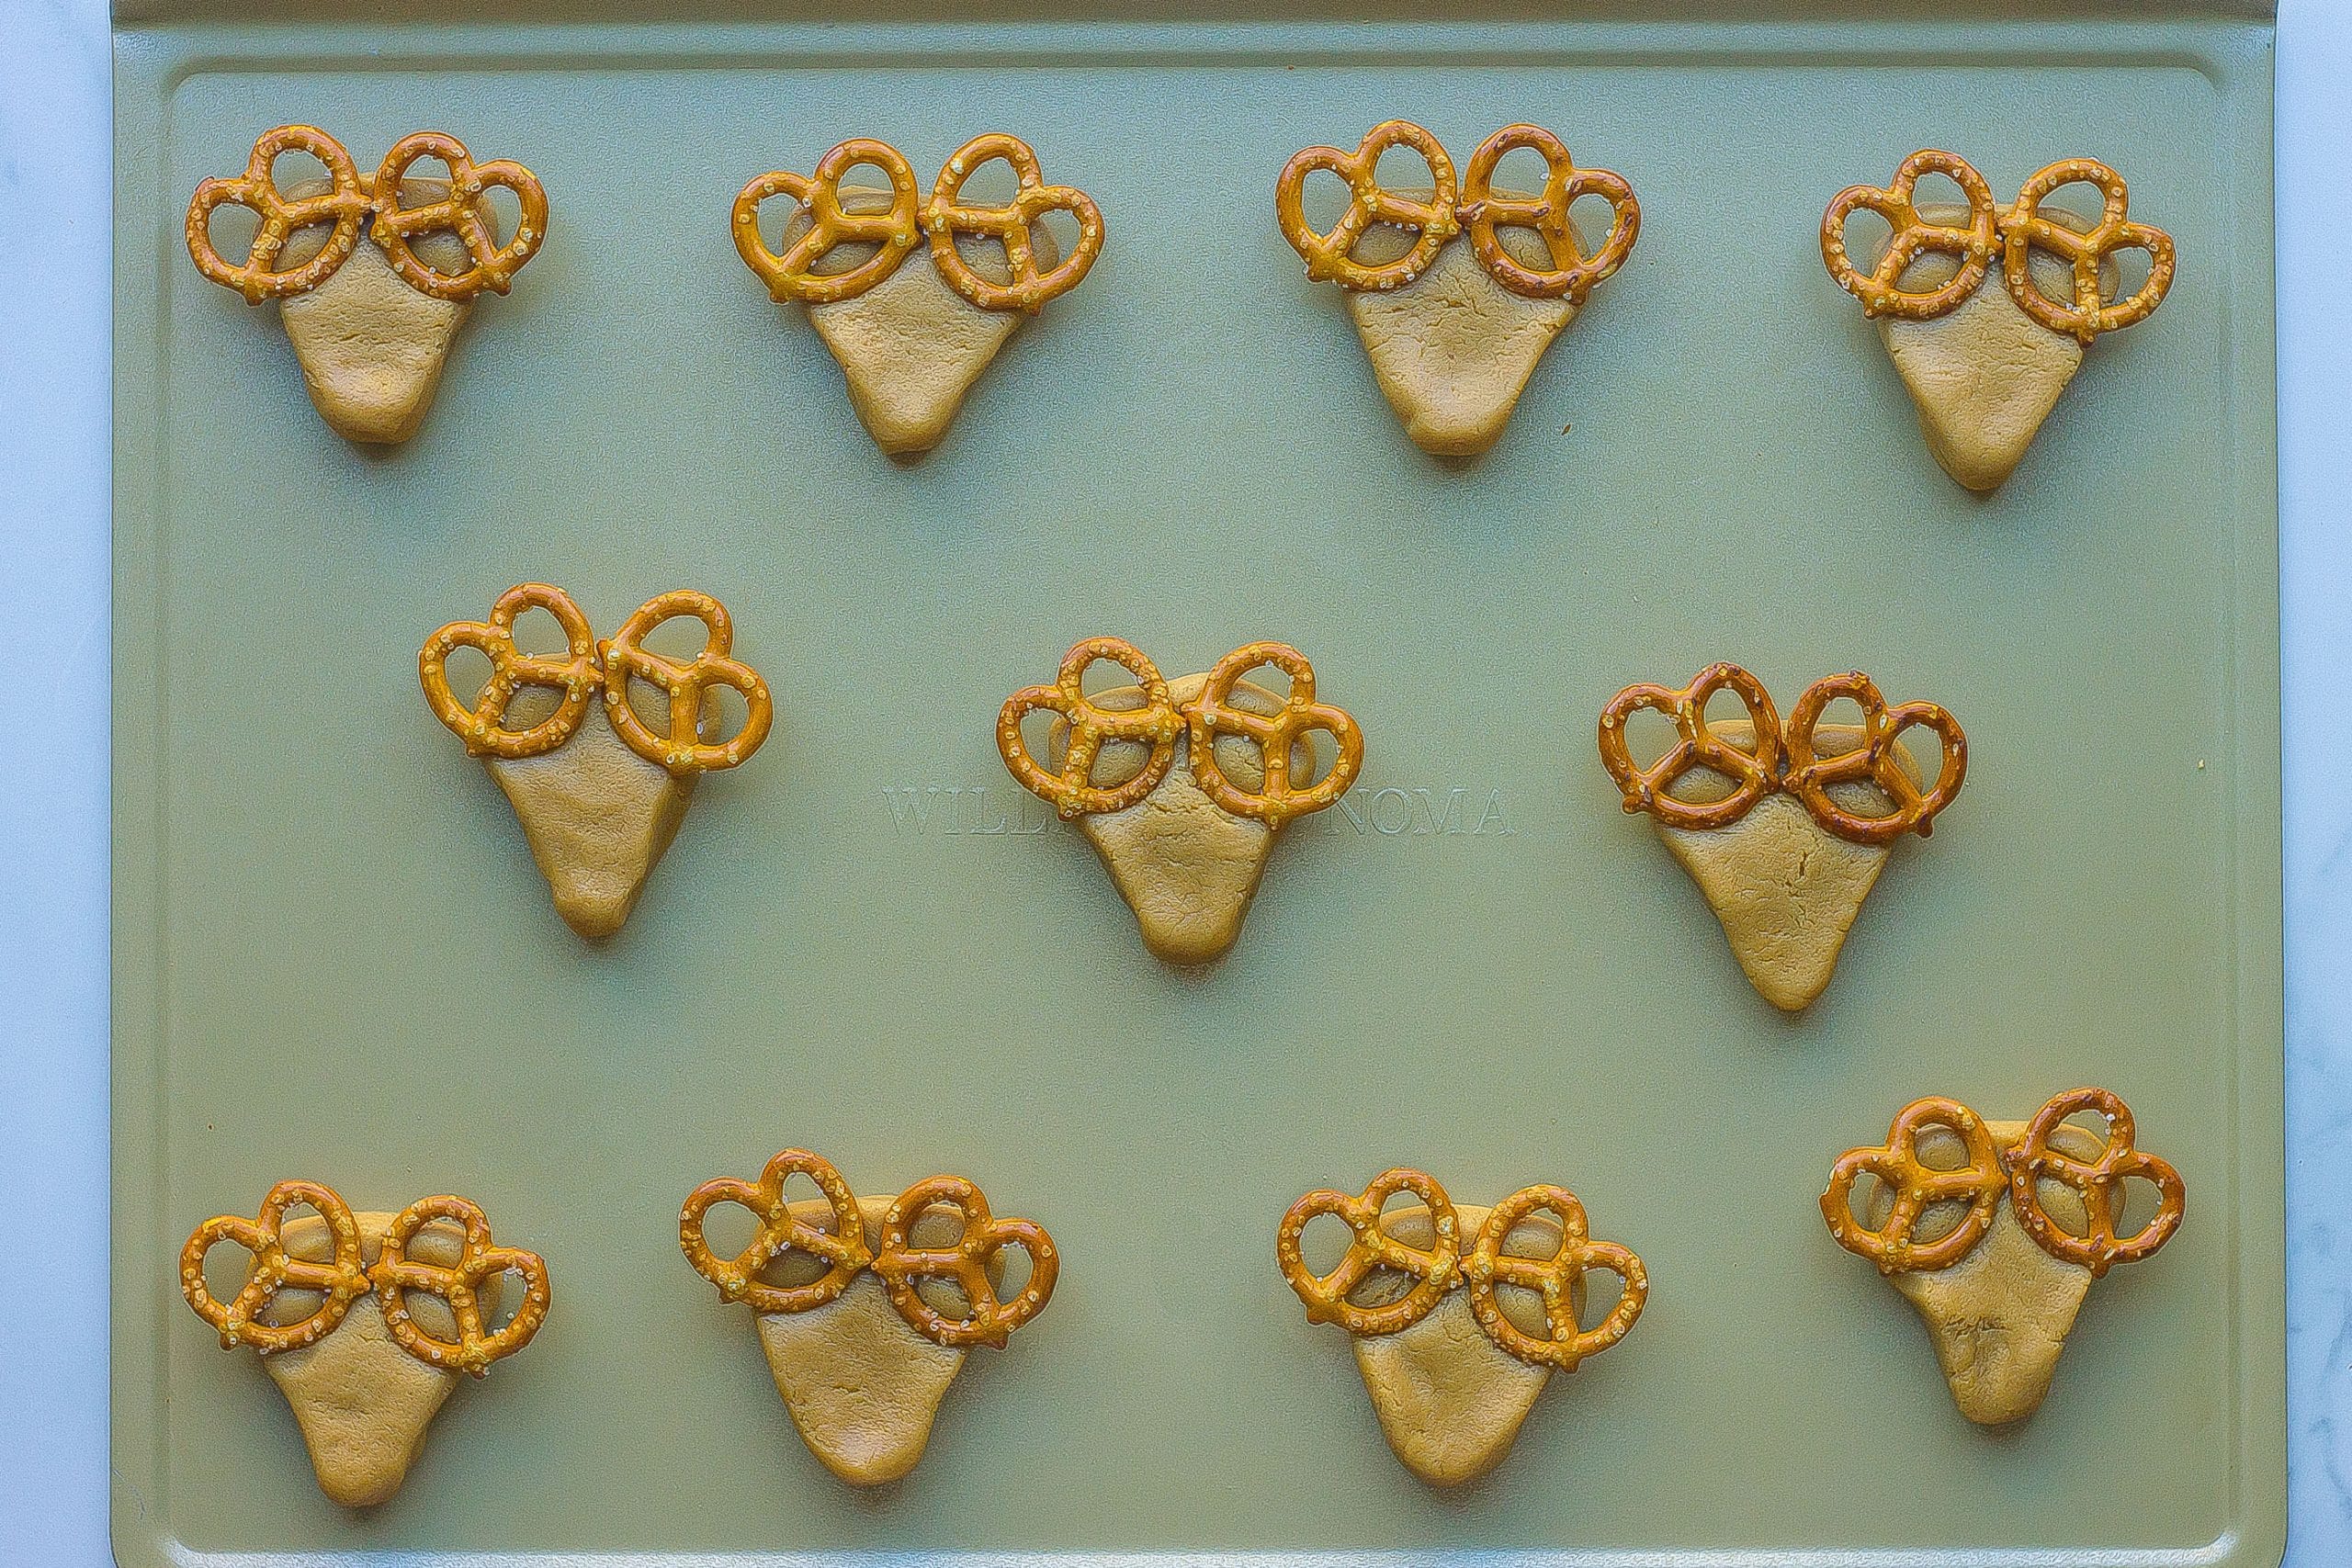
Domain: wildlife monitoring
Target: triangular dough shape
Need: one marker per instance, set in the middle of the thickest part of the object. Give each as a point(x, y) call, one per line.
point(1450, 1400)
point(372, 348)
point(910, 347)
point(1185, 865)
point(1453, 349)
point(1999, 1316)
point(598, 816)
point(1785, 888)
point(364, 1405)
point(862, 1386)
point(1986, 375)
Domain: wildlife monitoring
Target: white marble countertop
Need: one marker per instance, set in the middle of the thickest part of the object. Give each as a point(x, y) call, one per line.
point(54, 148)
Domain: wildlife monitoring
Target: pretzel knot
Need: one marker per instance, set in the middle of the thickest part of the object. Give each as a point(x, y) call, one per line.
point(258, 277)
point(339, 1281)
point(1212, 714)
point(794, 274)
point(1978, 1183)
point(2025, 230)
point(843, 1246)
point(1332, 256)
point(1010, 225)
point(575, 674)
point(461, 1285)
point(1755, 773)
point(1572, 273)
point(1435, 1270)
point(1157, 723)
point(2100, 1182)
point(685, 684)
point(461, 212)
point(1973, 243)
point(1554, 1279)
point(985, 1320)
point(1810, 774)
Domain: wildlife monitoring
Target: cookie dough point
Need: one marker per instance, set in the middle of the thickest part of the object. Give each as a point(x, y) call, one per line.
point(1786, 889)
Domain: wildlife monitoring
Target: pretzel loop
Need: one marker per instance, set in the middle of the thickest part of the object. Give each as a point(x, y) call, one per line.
point(481, 726)
point(1212, 714)
point(461, 212)
point(338, 1282)
point(460, 1284)
point(1435, 1270)
point(843, 1246)
point(1554, 1279)
point(1754, 773)
point(794, 274)
point(1072, 791)
point(1010, 225)
point(2025, 230)
point(2100, 1182)
point(1874, 760)
point(1572, 273)
point(1332, 256)
point(688, 685)
point(1979, 1182)
point(985, 1320)
point(345, 204)
point(1974, 243)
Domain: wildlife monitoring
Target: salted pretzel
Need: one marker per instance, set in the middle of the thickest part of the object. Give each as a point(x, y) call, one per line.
point(1978, 1181)
point(1435, 1270)
point(587, 667)
point(480, 1262)
point(1572, 273)
point(2012, 233)
point(1212, 714)
point(1783, 756)
point(897, 229)
point(2100, 1182)
point(339, 1281)
point(347, 203)
point(1070, 791)
point(1554, 1279)
point(842, 1247)
point(1330, 257)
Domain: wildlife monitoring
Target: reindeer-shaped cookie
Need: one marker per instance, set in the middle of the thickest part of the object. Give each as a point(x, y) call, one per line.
point(373, 273)
point(1987, 366)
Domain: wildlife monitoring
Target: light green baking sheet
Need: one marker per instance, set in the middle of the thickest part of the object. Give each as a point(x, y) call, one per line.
point(334, 959)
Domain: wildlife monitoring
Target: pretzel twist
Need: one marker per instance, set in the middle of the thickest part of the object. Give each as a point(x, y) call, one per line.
point(843, 1248)
point(1916, 1186)
point(902, 1265)
point(587, 667)
point(2099, 1181)
point(338, 1282)
point(1783, 756)
point(1330, 257)
point(895, 232)
point(347, 204)
point(1435, 1270)
point(1070, 791)
point(1212, 714)
point(1554, 1279)
point(461, 1285)
point(1572, 273)
point(2013, 233)
point(461, 212)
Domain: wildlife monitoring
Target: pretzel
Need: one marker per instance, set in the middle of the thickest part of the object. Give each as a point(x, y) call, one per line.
point(1435, 1270)
point(1916, 1186)
point(1211, 714)
point(2100, 1182)
point(1331, 257)
point(460, 213)
point(1572, 273)
point(1554, 1279)
point(843, 1248)
point(344, 204)
point(1070, 791)
point(985, 1320)
point(1810, 775)
point(395, 1274)
point(687, 686)
point(350, 199)
point(339, 1281)
point(910, 216)
point(589, 666)
point(2012, 232)
point(1755, 773)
